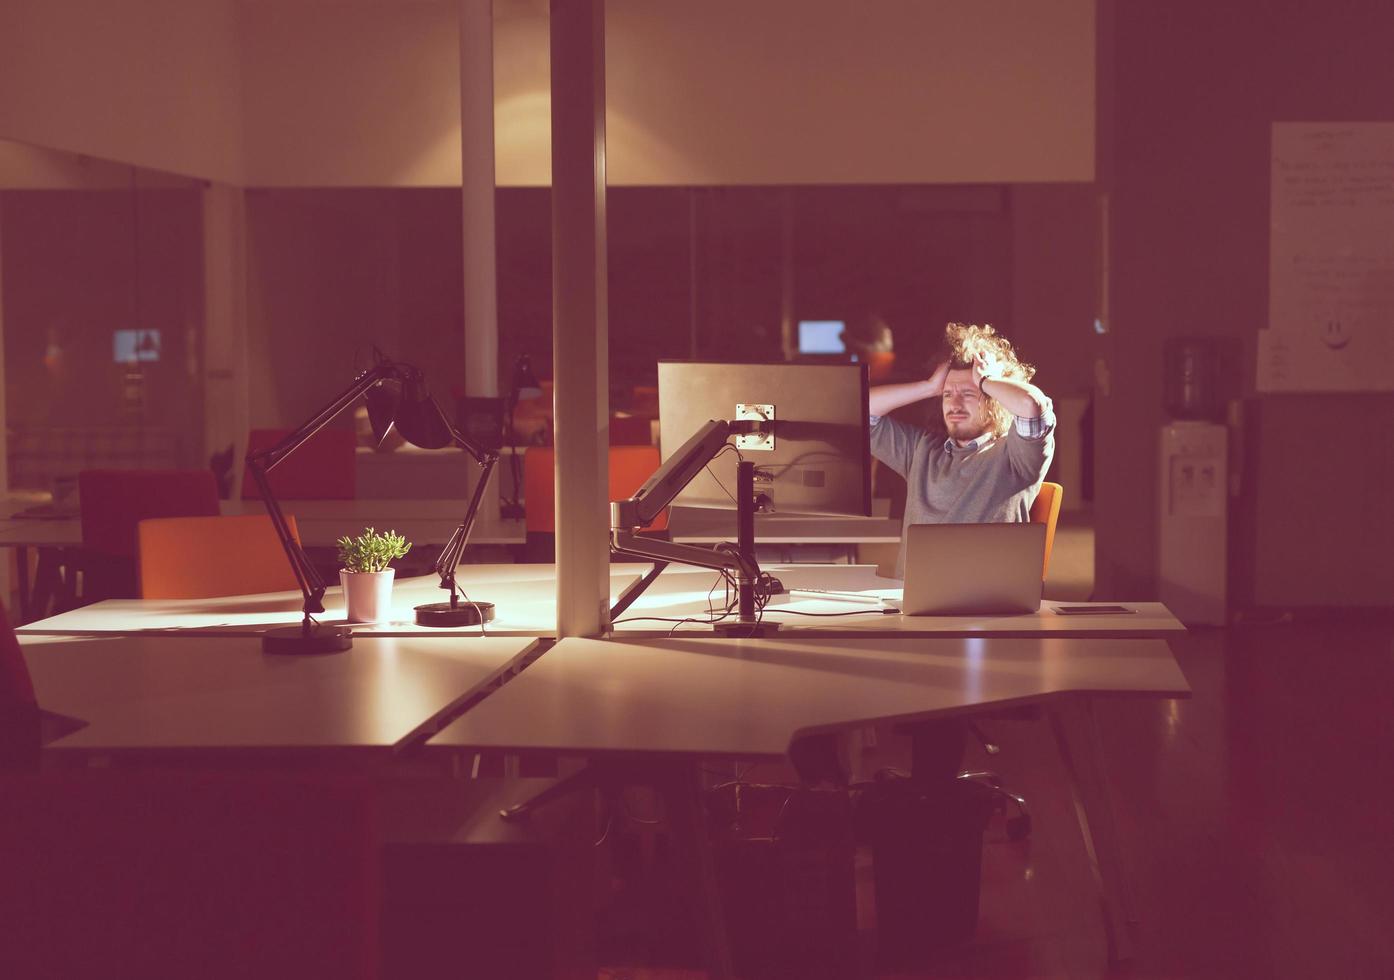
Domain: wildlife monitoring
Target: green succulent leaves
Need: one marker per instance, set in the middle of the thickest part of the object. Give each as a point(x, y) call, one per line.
point(372, 551)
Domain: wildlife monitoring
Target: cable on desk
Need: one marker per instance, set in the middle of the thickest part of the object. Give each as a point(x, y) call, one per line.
point(477, 611)
point(859, 612)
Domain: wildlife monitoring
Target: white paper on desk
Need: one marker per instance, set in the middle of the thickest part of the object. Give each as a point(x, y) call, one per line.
point(870, 598)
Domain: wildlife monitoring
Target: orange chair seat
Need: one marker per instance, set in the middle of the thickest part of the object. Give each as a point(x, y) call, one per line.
point(205, 557)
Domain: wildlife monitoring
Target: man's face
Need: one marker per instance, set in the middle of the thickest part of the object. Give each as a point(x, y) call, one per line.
point(965, 414)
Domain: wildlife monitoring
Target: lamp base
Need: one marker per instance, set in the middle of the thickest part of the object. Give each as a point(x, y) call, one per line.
point(442, 615)
point(298, 641)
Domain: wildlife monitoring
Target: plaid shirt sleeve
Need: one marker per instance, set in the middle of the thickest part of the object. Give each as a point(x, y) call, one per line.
point(1030, 428)
point(1037, 427)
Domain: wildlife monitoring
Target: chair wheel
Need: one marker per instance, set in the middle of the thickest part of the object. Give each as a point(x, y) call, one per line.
point(1019, 827)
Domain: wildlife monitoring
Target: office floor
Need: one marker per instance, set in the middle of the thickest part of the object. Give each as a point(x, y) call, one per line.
point(1257, 818)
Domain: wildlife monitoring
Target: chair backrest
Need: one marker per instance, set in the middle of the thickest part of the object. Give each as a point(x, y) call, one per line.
point(323, 468)
point(630, 430)
point(1046, 510)
point(183, 874)
point(630, 467)
point(203, 557)
point(113, 502)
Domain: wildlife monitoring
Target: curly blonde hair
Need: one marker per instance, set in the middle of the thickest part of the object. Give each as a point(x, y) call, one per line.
point(965, 341)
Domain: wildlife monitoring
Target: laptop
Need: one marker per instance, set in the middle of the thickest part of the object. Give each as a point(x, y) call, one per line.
point(973, 569)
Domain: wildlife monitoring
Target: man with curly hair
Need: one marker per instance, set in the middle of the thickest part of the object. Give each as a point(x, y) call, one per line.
point(987, 465)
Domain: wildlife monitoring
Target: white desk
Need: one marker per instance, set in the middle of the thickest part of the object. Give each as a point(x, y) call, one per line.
point(681, 592)
point(752, 698)
point(690, 698)
point(525, 597)
point(206, 694)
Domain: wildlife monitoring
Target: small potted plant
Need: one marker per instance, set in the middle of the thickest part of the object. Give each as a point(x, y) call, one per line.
point(366, 573)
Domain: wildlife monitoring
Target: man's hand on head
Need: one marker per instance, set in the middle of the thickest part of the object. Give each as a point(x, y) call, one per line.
point(985, 370)
point(937, 378)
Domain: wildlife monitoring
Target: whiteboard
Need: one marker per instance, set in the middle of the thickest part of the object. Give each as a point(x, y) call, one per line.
point(1331, 259)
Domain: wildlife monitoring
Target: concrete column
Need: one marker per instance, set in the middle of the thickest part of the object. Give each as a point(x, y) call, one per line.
point(477, 197)
point(226, 384)
point(580, 329)
point(4, 422)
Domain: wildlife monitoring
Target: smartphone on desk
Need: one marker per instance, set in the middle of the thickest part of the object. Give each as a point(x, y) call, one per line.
point(1093, 610)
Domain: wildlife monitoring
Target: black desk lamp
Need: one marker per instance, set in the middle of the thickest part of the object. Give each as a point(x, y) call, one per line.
point(523, 385)
point(397, 396)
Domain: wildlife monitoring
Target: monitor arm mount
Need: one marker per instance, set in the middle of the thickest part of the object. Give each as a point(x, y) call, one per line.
point(628, 516)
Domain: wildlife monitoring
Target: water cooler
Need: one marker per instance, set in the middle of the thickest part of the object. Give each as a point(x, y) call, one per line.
point(1193, 565)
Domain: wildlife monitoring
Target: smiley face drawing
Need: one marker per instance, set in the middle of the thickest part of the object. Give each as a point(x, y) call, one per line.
point(1335, 334)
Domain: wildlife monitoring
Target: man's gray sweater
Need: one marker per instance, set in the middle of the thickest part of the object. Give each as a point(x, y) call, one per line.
point(991, 480)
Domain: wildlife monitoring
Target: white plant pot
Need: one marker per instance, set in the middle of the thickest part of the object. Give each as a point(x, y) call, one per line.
point(367, 595)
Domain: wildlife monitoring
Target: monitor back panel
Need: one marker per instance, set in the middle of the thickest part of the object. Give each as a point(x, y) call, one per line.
point(821, 462)
point(973, 569)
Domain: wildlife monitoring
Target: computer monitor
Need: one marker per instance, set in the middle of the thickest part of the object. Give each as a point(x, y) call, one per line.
point(821, 337)
point(820, 458)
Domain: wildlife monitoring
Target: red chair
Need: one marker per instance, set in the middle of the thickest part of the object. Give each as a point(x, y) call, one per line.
point(19, 712)
point(322, 468)
point(113, 502)
point(182, 874)
point(630, 430)
point(630, 467)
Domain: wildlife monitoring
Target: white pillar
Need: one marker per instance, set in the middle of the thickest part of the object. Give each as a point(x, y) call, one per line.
point(580, 329)
point(477, 197)
point(4, 425)
point(226, 385)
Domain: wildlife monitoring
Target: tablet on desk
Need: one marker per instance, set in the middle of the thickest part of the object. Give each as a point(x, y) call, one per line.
point(1093, 610)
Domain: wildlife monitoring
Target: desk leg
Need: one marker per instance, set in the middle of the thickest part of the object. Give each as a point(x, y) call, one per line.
point(48, 582)
point(26, 601)
point(682, 795)
point(1077, 736)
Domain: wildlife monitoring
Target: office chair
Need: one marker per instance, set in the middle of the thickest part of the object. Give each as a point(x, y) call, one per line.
point(1044, 510)
point(113, 502)
point(205, 557)
point(630, 467)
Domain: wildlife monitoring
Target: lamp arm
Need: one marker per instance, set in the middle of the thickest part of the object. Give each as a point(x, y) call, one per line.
point(259, 464)
point(269, 458)
point(311, 585)
point(454, 549)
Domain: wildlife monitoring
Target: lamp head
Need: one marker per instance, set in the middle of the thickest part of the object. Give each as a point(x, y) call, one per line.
point(419, 417)
point(403, 401)
point(524, 381)
point(383, 399)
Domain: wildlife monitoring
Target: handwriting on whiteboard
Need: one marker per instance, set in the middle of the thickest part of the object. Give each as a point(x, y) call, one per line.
point(1331, 259)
